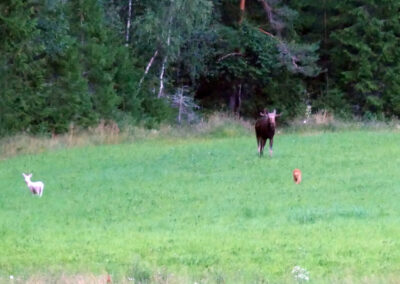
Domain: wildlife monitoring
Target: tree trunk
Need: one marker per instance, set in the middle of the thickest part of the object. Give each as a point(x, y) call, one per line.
point(160, 92)
point(235, 100)
point(82, 18)
point(147, 70)
point(242, 8)
point(128, 23)
point(180, 106)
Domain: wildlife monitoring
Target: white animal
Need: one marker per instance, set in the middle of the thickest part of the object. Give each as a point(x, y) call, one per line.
point(35, 187)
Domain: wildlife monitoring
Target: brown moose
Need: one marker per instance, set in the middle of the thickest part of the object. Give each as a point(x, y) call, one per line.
point(265, 129)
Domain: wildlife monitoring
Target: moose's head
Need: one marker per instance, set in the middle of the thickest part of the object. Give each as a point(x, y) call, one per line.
point(270, 115)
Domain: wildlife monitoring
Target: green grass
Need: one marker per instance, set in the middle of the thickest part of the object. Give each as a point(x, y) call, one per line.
point(208, 210)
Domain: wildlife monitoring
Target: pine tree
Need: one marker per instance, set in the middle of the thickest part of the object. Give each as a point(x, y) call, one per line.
point(21, 71)
point(66, 90)
point(126, 85)
point(358, 51)
point(97, 54)
point(366, 54)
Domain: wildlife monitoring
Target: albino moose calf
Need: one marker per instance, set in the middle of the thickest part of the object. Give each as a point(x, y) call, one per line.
point(35, 187)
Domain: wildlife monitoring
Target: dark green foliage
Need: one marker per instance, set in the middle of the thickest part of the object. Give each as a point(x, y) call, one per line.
point(68, 62)
point(21, 75)
point(359, 53)
point(126, 83)
point(258, 62)
point(97, 55)
point(65, 89)
point(369, 56)
point(63, 64)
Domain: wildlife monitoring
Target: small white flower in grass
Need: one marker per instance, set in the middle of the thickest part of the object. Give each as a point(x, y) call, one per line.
point(300, 274)
point(11, 277)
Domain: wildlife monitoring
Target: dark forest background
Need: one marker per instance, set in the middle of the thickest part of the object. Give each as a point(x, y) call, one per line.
point(76, 62)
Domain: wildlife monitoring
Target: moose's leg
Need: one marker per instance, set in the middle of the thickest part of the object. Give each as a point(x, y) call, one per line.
point(263, 141)
point(271, 142)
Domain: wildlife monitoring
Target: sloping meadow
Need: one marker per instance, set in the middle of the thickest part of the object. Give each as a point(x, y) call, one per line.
point(195, 209)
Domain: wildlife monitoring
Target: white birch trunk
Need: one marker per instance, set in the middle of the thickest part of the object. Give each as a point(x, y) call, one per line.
point(160, 92)
point(147, 70)
point(128, 23)
point(180, 106)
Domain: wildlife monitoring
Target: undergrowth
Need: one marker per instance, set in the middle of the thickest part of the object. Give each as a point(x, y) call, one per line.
point(218, 125)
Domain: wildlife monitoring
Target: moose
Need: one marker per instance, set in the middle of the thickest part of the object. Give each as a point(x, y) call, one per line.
point(265, 129)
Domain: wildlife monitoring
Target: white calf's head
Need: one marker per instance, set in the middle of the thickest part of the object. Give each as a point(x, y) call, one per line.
point(27, 177)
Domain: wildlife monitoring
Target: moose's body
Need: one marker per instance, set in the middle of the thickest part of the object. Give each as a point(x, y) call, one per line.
point(265, 129)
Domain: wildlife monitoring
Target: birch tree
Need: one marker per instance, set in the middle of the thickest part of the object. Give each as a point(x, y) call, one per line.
point(128, 23)
point(168, 30)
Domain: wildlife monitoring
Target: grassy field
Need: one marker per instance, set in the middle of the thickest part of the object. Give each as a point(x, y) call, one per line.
point(207, 210)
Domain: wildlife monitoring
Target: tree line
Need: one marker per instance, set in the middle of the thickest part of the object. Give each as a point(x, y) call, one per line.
point(66, 62)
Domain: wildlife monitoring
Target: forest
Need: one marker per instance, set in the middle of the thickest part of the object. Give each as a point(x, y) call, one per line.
point(75, 62)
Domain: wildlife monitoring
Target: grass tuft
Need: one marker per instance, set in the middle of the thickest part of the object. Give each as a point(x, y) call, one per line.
point(311, 216)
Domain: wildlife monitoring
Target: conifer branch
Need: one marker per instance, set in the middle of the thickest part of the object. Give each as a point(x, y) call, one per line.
point(228, 55)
